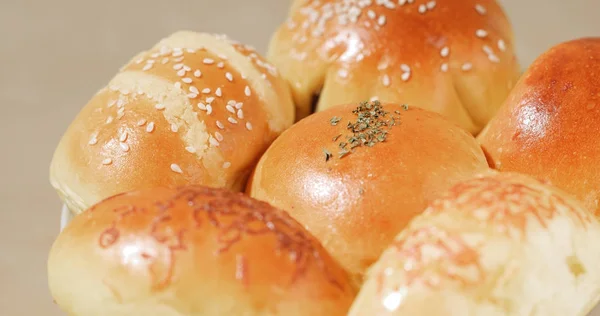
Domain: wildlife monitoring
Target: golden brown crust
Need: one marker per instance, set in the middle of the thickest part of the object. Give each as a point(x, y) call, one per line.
point(193, 251)
point(196, 108)
point(550, 123)
point(452, 57)
point(498, 244)
point(372, 192)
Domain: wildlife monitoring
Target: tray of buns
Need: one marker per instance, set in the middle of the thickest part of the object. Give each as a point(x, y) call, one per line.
point(382, 158)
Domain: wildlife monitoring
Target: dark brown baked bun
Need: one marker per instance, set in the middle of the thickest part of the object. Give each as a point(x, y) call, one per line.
point(496, 245)
point(452, 57)
point(355, 200)
point(192, 251)
point(194, 109)
point(550, 125)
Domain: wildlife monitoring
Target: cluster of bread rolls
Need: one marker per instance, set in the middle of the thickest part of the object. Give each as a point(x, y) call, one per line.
point(343, 174)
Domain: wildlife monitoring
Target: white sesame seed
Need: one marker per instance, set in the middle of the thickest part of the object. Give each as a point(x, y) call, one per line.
point(218, 92)
point(213, 142)
point(147, 67)
point(159, 106)
point(221, 65)
point(343, 73)
point(178, 66)
point(123, 136)
point(187, 68)
point(230, 108)
point(206, 90)
point(208, 61)
point(210, 99)
point(150, 127)
point(208, 109)
point(93, 139)
point(191, 50)
point(481, 33)
point(247, 91)
point(249, 126)
point(222, 57)
point(181, 72)
point(226, 165)
point(174, 128)
point(107, 161)
point(176, 168)
point(194, 90)
point(139, 61)
point(493, 58)
point(218, 136)
point(141, 122)
point(229, 76)
point(422, 8)
point(177, 85)
point(109, 119)
point(386, 80)
point(501, 45)
point(445, 51)
point(187, 80)
point(232, 120)
point(152, 61)
point(202, 106)
point(431, 5)
point(191, 149)
point(480, 9)
point(120, 115)
point(220, 125)
point(405, 67)
point(405, 76)
point(444, 67)
point(164, 60)
point(177, 53)
point(124, 147)
point(488, 50)
point(381, 20)
point(239, 105)
point(178, 59)
point(197, 73)
point(111, 103)
point(240, 114)
point(467, 66)
point(164, 50)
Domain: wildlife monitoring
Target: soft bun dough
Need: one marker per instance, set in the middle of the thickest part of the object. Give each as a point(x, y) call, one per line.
point(195, 109)
point(453, 57)
point(355, 205)
point(496, 245)
point(192, 251)
point(549, 126)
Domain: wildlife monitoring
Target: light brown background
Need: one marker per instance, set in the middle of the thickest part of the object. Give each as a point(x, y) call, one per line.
point(54, 54)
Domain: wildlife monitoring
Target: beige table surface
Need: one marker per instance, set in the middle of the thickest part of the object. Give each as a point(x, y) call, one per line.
point(54, 54)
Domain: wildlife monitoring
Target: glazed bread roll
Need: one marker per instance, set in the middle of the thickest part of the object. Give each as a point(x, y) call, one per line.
point(196, 108)
point(355, 176)
point(499, 244)
point(550, 125)
point(192, 251)
point(452, 57)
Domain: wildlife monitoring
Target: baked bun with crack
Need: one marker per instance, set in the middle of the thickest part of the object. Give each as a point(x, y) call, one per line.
point(356, 175)
point(549, 126)
point(193, 251)
point(499, 244)
point(453, 57)
point(194, 109)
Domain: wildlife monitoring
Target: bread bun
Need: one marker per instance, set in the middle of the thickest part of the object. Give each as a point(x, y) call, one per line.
point(499, 244)
point(356, 204)
point(452, 57)
point(196, 108)
point(192, 251)
point(550, 125)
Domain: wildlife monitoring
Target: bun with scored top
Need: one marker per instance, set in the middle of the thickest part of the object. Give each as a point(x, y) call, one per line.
point(499, 244)
point(452, 57)
point(193, 251)
point(356, 175)
point(549, 126)
point(194, 109)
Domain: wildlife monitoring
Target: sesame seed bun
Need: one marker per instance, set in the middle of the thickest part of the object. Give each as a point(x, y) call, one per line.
point(356, 204)
point(549, 126)
point(196, 108)
point(499, 244)
point(192, 251)
point(453, 57)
